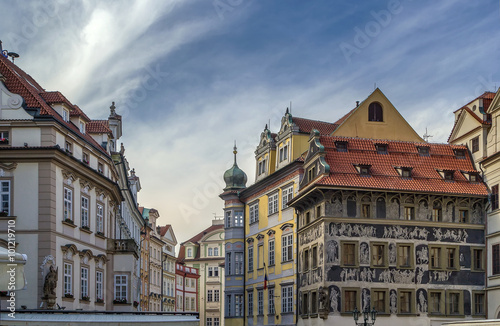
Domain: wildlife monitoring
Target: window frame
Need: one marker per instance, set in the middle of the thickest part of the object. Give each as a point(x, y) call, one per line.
point(250, 255)
point(375, 112)
point(286, 196)
point(495, 259)
point(385, 259)
point(68, 204)
point(474, 144)
point(442, 303)
point(272, 252)
point(260, 302)
point(459, 305)
point(373, 298)
point(68, 278)
point(474, 303)
point(250, 303)
point(253, 212)
point(84, 212)
point(412, 303)
point(273, 203)
point(494, 197)
point(8, 202)
point(4, 137)
point(99, 285)
point(357, 298)
point(473, 266)
point(287, 247)
point(84, 284)
point(411, 257)
point(99, 217)
point(287, 299)
point(355, 254)
point(271, 310)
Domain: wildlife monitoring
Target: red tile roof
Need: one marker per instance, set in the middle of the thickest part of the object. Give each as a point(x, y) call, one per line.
point(164, 229)
point(19, 82)
point(383, 175)
point(195, 240)
point(306, 126)
point(98, 127)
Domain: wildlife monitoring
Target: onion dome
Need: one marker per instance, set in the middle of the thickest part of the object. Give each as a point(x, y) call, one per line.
point(235, 178)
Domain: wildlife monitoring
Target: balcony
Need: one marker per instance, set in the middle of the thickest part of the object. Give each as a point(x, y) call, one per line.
point(123, 246)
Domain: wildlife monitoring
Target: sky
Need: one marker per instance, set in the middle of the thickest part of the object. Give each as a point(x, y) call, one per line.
point(191, 77)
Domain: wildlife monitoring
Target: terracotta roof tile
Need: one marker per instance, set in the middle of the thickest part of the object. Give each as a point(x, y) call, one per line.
point(306, 126)
point(164, 229)
point(98, 127)
point(383, 175)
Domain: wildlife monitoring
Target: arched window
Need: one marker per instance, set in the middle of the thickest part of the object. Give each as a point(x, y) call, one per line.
point(375, 112)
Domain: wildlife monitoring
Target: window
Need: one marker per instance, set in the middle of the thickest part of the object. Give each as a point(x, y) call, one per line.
point(436, 304)
point(314, 258)
point(260, 256)
point(270, 293)
point(287, 298)
point(260, 302)
point(238, 218)
point(216, 295)
point(228, 219)
point(121, 287)
point(495, 259)
point(286, 245)
point(98, 286)
point(100, 219)
point(455, 304)
point(250, 259)
point(283, 153)
point(100, 168)
point(4, 137)
point(405, 255)
point(451, 258)
point(475, 144)
point(379, 300)
point(85, 212)
point(306, 260)
point(459, 153)
point(448, 175)
point(82, 127)
point(262, 167)
point(341, 146)
point(349, 254)
point(193, 283)
point(271, 252)
point(287, 194)
point(254, 213)
point(314, 302)
point(305, 303)
point(68, 147)
point(349, 299)
point(379, 256)
point(381, 148)
point(68, 204)
point(209, 321)
point(238, 263)
point(68, 278)
point(365, 210)
point(5, 193)
point(364, 169)
point(85, 282)
point(65, 115)
point(210, 271)
point(477, 263)
point(381, 208)
point(318, 212)
point(190, 252)
point(406, 301)
point(409, 213)
point(406, 173)
point(351, 207)
point(216, 271)
point(238, 305)
point(250, 304)
point(210, 252)
point(463, 216)
point(435, 254)
point(478, 303)
point(210, 295)
point(193, 305)
point(423, 150)
point(375, 112)
point(216, 321)
point(308, 218)
point(437, 214)
point(494, 197)
point(273, 203)
point(311, 173)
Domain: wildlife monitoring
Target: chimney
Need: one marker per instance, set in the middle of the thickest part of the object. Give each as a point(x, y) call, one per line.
point(357, 103)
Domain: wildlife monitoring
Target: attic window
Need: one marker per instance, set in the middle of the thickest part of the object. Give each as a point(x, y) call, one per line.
point(375, 112)
point(423, 150)
point(459, 153)
point(311, 173)
point(471, 176)
point(363, 169)
point(341, 146)
point(406, 172)
point(448, 175)
point(82, 127)
point(381, 148)
point(65, 115)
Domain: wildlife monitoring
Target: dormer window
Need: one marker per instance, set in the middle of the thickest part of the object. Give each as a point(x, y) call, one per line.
point(341, 146)
point(448, 175)
point(65, 115)
point(284, 153)
point(406, 173)
point(471, 176)
point(459, 153)
point(381, 148)
point(311, 173)
point(363, 169)
point(82, 127)
point(190, 252)
point(375, 112)
point(423, 150)
point(68, 147)
point(262, 167)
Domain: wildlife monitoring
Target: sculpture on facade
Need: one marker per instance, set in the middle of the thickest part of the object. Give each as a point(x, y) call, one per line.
point(49, 287)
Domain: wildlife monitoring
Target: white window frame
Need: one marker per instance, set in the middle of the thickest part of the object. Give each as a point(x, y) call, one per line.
point(273, 203)
point(250, 304)
point(238, 263)
point(286, 195)
point(210, 271)
point(5, 195)
point(238, 305)
point(99, 226)
point(216, 252)
point(65, 115)
point(271, 252)
point(84, 289)
point(85, 211)
point(210, 295)
point(260, 302)
point(99, 277)
point(286, 246)
point(121, 287)
point(287, 298)
point(250, 259)
point(216, 295)
point(68, 204)
point(254, 213)
point(238, 218)
point(210, 252)
point(270, 299)
point(68, 278)
point(189, 252)
point(216, 321)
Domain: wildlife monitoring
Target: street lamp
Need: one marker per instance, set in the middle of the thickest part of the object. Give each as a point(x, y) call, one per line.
point(367, 314)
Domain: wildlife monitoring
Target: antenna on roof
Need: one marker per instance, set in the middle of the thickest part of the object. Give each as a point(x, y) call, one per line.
point(13, 55)
point(426, 136)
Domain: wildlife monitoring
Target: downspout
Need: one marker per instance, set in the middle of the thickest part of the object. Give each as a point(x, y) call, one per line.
point(485, 241)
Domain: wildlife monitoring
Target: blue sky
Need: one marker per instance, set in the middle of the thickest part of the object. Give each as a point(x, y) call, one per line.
point(192, 76)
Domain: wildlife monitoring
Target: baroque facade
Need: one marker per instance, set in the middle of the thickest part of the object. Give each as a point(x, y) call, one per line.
point(168, 262)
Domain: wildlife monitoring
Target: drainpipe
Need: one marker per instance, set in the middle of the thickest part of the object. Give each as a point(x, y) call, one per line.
point(485, 244)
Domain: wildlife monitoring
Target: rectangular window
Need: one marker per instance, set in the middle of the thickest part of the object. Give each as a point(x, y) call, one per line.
point(451, 258)
point(287, 194)
point(100, 219)
point(435, 302)
point(85, 282)
point(365, 210)
point(238, 218)
point(454, 303)
point(314, 258)
point(494, 197)
point(478, 307)
point(209, 321)
point(287, 298)
point(305, 303)
point(210, 252)
point(318, 212)
point(238, 306)
point(100, 168)
point(477, 259)
point(68, 204)
point(405, 302)
point(350, 300)
point(68, 147)
point(273, 203)
point(250, 259)
point(5, 194)
point(85, 212)
point(475, 144)
point(379, 254)
point(286, 245)
point(4, 137)
point(65, 115)
point(98, 285)
point(238, 263)
point(379, 298)
point(311, 173)
point(463, 216)
point(121, 287)
point(216, 321)
point(435, 257)
point(216, 295)
point(250, 304)
point(216, 271)
point(271, 301)
point(271, 252)
point(210, 295)
point(260, 302)
point(260, 256)
point(314, 302)
point(193, 305)
point(228, 263)
point(254, 213)
point(351, 207)
point(308, 218)
point(306, 260)
point(409, 213)
point(228, 219)
point(348, 254)
point(496, 259)
point(68, 278)
point(228, 303)
point(437, 215)
point(405, 255)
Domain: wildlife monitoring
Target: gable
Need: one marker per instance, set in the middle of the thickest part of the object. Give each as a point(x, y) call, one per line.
point(464, 125)
point(11, 105)
point(170, 236)
point(495, 103)
point(216, 236)
point(392, 127)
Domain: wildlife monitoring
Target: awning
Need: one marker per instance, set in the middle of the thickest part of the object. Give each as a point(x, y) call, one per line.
point(12, 270)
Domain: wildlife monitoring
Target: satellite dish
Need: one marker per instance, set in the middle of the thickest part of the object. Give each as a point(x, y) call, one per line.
point(13, 55)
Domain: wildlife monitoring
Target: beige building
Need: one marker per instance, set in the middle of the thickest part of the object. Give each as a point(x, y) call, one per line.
point(477, 125)
point(168, 262)
point(205, 252)
point(59, 190)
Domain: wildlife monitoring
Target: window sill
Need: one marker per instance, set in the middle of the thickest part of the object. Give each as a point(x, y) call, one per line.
point(97, 235)
point(407, 314)
point(86, 230)
point(254, 222)
point(69, 224)
point(5, 218)
point(304, 316)
point(84, 301)
point(287, 313)
point(314, 315)
point(68, 299)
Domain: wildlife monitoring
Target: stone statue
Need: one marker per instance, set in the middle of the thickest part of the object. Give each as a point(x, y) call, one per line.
point(324, 304)
point(49, 287)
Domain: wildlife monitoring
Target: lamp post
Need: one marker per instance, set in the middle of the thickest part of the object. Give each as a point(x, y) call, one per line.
point(367, 315)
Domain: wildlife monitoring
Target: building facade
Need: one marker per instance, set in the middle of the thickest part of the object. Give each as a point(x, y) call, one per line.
point(477, 127)
point(186, 288)
point(168, 262)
